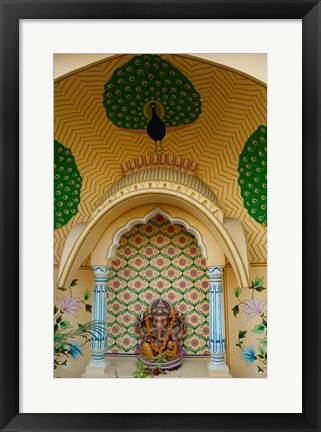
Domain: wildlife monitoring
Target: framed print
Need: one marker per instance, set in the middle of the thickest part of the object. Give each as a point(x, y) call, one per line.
point(149, 132)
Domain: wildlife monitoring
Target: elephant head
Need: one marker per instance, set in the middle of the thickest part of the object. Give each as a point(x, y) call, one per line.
point(160, 323)
point(160, 316)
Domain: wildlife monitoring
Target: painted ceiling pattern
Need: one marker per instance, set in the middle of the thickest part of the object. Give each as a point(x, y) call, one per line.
point(157, 259)
point(146, 78)
point(233, 107)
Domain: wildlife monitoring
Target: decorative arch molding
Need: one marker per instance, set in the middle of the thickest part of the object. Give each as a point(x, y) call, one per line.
point(136, 221)
point(167, 180)
point(82, 241)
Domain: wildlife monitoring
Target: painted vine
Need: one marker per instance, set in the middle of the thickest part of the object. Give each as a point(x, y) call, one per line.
point(255, 354)
point(69, 340)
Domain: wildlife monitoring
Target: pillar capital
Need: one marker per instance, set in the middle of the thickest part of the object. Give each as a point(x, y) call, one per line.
point(100, 272)
point(215, 271)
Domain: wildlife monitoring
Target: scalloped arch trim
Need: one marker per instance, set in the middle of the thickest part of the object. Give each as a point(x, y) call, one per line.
point(144, 220)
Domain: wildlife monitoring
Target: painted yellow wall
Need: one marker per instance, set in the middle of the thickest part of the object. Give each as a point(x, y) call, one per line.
point(238, 367)
point(252, 64)
point(85, 282)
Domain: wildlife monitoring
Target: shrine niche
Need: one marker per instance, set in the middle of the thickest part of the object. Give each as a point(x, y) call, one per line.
point(155, 189)
point(155, 260)
point(171, 216)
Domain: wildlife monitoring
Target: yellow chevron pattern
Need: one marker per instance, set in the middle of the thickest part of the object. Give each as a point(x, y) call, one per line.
point(233, 106)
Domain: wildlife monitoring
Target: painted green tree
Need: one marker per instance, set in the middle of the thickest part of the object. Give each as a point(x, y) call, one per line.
point(67, 185)
point(253, 175)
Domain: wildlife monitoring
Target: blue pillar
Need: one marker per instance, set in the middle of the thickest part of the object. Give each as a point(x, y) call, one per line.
point(98, 342)
point(217, 332)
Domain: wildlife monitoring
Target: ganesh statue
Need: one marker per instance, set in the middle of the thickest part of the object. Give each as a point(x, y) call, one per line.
point(160, 343)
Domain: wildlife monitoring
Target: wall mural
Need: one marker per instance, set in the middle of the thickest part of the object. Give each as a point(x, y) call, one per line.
point(253, 175)
point(67, 185)
point(149, 93)
point(253, 307)
point(157, 259)
point(69, 338)
point(233, 107)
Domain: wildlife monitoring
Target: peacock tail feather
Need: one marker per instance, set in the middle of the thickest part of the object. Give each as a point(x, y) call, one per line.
point(146, 78)
point(253, 175)
point(67, 185)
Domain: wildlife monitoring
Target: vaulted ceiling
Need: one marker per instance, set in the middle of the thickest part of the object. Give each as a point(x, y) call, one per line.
point(233, 106)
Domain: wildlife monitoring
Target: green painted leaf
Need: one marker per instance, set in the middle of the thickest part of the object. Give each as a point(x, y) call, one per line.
point(264, 322)
point(62, 289)
point(86, 295)
point(56, 328)
point(263, 342)
point(259, 328)
point(242, 334)
point(88, 308)
point(261, 351)
point(237, 292)
point(74, 282)
point(258, 281)
point(65, 324)
point(55, 310)
point(236, 310)
point(58, 319)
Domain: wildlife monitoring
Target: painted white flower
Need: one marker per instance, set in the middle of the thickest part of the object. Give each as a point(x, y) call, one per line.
point(253, 307)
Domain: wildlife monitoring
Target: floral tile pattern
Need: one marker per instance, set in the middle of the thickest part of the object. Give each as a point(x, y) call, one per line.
point(157, 259)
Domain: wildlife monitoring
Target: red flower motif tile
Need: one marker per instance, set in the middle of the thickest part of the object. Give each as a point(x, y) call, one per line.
point(157, 258)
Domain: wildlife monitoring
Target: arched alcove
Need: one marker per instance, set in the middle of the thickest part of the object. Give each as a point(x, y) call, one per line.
point(157, 187)
point(136, 198)
point(144, 220)
point(157, 257)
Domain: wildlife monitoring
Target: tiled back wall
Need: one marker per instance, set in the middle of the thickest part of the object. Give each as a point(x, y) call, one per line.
point(158, 259)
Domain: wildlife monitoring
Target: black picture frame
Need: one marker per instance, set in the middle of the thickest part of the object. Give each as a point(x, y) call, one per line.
point(11, 12)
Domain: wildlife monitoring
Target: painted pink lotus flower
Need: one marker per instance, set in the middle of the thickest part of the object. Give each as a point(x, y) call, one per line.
point(70, 304)
point(253, 307)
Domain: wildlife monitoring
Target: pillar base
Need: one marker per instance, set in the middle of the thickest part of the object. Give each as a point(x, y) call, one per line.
point(219, 370)
point(95, 368)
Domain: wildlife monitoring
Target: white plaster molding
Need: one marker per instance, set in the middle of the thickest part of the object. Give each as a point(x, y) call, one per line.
point(144, 220)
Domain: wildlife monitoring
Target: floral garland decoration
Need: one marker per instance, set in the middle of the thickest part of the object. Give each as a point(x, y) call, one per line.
point(156, 348)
